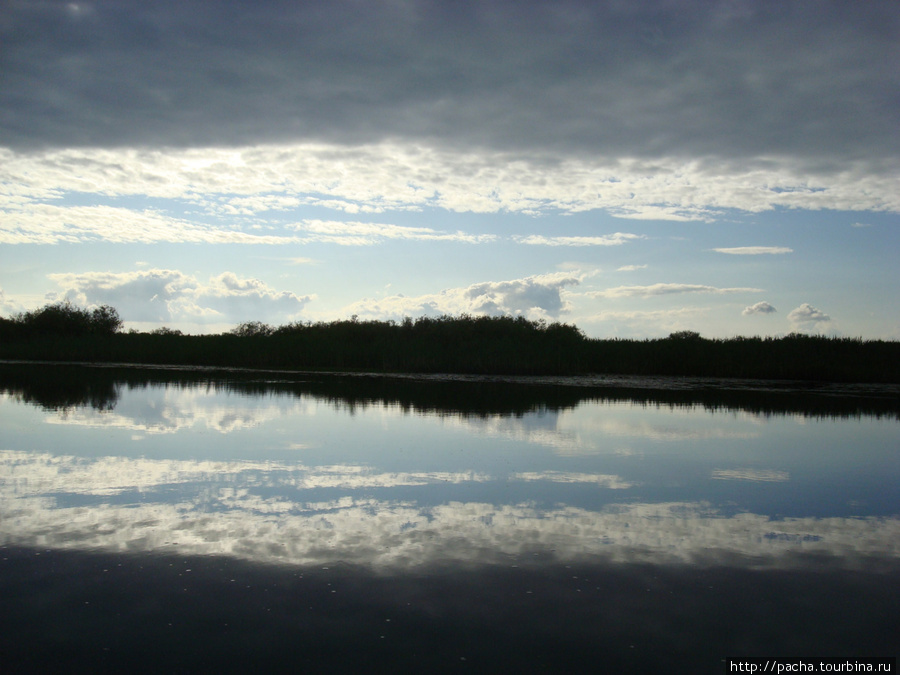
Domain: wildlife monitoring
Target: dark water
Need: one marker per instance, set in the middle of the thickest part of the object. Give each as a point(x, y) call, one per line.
point(202, 521)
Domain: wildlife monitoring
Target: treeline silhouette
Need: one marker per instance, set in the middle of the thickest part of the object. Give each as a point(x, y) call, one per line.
point(446, 344)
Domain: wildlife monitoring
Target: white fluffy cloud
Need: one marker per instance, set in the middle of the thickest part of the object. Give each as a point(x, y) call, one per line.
point(535, 297)
point(171, 296)
point(759, 308)
point(807, 316)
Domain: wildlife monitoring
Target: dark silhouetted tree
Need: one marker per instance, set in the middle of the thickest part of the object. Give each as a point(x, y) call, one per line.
point(252, 329)
point(685, 335)
point(64, 318)
point(105, 320)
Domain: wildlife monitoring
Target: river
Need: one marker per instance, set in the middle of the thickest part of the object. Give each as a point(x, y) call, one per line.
point(184, 520)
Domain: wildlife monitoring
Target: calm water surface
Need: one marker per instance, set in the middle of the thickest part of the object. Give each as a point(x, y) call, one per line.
point(192, 521)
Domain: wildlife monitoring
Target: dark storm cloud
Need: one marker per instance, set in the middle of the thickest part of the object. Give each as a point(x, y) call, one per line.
point(732, 79)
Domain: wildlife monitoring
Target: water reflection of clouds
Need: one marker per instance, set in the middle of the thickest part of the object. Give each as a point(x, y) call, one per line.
point(542, 430)
point(336, 506)
point(25, 473)
point(169, 410)
point(399, 534)
point(363, 477)
point(611, 482)
point(230, 516)
point(753, 475)
point(653, 424)
point(588, 429)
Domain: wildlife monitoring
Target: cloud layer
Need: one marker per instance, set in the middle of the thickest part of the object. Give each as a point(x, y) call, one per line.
point(262, 185)
point(665, 289)
point(754, 250)
point(648, 79)
point(365, 234)
point(615, 239)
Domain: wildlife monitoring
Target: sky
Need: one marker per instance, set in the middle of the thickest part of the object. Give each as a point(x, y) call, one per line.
point(729, 167)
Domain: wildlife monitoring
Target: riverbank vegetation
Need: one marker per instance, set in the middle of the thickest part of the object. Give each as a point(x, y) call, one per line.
point(447, 344)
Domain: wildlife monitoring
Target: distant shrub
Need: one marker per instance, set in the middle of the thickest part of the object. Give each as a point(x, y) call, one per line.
point(685, 335)
point(252, 329)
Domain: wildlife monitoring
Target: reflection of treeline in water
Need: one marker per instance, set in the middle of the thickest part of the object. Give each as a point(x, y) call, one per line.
point(65, 386)
point(464, 344)
point(58, 387)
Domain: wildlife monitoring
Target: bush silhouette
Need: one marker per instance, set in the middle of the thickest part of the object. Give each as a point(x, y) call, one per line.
point(65, 319)
point(252, 329)
point(445, 344)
